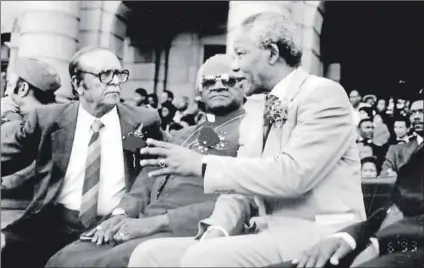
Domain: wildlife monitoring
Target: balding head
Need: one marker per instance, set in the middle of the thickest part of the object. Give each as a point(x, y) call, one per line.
point(221, 91)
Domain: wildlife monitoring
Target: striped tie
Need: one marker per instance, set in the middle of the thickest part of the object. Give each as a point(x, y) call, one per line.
point(90, 191)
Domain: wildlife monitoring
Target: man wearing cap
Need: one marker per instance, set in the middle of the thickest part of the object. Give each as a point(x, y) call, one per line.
point(84, 164)
point(31, 85)
point(172, 206)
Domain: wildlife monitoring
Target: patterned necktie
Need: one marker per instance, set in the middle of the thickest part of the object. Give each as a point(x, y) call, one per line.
point(90, 191)
point(268, 120)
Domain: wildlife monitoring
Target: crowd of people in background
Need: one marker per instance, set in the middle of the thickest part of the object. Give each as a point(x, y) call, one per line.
point(389, 129)
point(175, 113)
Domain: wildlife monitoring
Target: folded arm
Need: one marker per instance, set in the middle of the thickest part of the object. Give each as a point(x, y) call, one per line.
point(323, 133)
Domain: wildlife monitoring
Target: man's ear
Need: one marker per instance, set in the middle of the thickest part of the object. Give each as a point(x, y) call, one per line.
point(23, 89)
point(274, 53)
point(76, 84)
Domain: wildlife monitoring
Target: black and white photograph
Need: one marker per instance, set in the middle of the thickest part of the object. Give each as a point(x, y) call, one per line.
point(212, 134)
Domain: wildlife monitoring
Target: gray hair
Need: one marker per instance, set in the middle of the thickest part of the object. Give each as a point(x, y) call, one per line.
point(274, 28)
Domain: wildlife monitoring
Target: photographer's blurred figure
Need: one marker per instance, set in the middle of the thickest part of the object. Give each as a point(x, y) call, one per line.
point(31, 84)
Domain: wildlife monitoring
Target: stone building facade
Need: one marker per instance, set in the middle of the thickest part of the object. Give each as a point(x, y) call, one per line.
point(159, 54)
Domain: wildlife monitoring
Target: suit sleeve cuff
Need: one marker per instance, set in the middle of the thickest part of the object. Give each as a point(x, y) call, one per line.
point(374, 242)
point(119, 211)
point(347, 238)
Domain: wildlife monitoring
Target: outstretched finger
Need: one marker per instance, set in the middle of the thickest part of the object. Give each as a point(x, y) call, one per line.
point(149, 162)
point(154, 151)
point(159, 144)
point(341, 251)
point(161, 172)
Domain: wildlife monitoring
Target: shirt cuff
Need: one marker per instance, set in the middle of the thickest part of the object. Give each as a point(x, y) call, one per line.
point(119, 211)
point(374, 242)
point(347, 238)
point(211, 228)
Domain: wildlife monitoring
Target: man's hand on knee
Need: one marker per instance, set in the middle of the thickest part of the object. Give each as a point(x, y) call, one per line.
point(330, 249)
point(104, 232)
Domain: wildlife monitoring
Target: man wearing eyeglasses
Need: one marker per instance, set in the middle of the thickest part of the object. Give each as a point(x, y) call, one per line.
point(297, 158)
point(171, 205)
point(83, 168)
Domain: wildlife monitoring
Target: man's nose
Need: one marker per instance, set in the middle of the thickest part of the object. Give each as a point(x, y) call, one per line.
point(115, 80)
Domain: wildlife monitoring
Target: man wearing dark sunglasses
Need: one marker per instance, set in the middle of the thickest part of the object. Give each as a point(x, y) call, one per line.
point(171, 205)
point(297, 157)
point(83, 168)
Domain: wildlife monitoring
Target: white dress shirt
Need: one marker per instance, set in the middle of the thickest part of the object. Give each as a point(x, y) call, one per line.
point(112, 174)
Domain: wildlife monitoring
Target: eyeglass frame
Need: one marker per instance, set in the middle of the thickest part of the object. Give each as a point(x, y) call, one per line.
point(115, 72)
point(222, 78)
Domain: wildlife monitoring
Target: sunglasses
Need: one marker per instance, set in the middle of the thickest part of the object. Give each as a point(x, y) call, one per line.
point(107, 76)
point(226, 80)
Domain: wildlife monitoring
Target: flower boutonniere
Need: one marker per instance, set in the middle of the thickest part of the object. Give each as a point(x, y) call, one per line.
point(278, 112)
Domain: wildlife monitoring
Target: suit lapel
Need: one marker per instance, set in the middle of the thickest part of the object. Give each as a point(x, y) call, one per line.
point(274, 140)
point(128, 124)
point(63, 134)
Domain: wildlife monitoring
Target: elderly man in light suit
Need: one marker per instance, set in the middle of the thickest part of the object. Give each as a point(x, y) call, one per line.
point(298, 163)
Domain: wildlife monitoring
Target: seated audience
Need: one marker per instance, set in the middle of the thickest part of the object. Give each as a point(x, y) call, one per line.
point(140, 97)
point(78, 181)
point(369, 168)
point(365, 150)
point(152, 100)
point(32, 84)
point(399, 154)
point(401, 125)
point(166, 97)
point(381, 132)
point(166, 113)
point(370, 100)
point(366, 112)
point(381, 106)
point(168, 206)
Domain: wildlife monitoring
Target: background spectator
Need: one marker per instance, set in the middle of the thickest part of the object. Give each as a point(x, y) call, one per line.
point(366, 131)
point(365, 151)
point(370, 100)
point(381, 106)
point(166, 97)
point(369, 168)
point(152, 100)
point(381, 131)
point(140, 99)
point(401, 127)
point(166, 113)
point(366, 112)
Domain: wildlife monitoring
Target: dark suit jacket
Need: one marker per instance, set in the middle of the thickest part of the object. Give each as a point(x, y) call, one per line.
point(181, 198)
point(398, 155)
point(47, 136)
point(409, 198)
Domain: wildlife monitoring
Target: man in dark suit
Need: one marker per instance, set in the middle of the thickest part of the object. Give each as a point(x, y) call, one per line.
point(170, 205)
point(82, 167)
point(393, 236)
point(399, 154)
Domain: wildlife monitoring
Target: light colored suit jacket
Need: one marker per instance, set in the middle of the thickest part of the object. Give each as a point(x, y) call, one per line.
point(308, 173)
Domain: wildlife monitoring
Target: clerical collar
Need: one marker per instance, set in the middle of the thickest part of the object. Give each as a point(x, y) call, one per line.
point(214, 119)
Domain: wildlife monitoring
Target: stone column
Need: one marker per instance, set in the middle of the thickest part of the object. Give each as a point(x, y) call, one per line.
point(240, 10)
point(49, 31)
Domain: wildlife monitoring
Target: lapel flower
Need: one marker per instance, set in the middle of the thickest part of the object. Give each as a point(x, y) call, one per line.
point(278, 112)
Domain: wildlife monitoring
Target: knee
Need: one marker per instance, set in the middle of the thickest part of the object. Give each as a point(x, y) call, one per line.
point(204, 254)
point(145, 254)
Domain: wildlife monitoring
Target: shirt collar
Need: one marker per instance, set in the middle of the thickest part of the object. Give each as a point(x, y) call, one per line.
point(106, 118)
point(280, 88)
point(419, 139)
